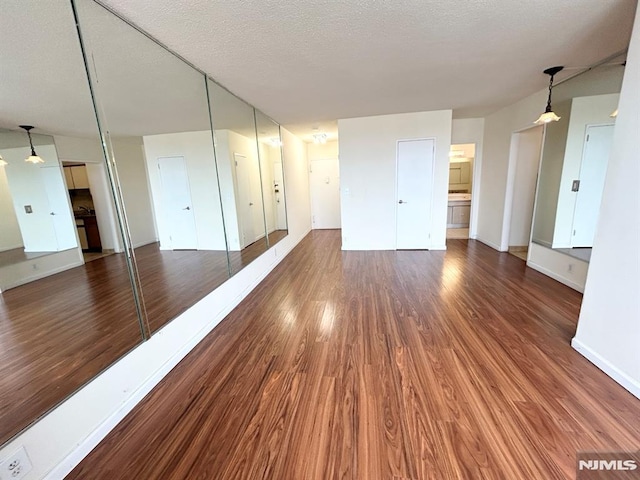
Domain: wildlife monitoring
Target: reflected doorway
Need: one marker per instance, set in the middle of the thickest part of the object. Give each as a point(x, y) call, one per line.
point(524, 163)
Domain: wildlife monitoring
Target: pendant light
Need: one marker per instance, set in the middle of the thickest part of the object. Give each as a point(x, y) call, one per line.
point(549, 115)
point(33, 158)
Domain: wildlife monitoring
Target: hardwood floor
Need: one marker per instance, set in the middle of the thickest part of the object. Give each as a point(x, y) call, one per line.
point(59, 332)
point(380, 365)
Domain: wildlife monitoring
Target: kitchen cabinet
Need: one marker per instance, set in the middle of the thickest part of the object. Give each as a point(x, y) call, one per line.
point(76, 177)
point(88, 233)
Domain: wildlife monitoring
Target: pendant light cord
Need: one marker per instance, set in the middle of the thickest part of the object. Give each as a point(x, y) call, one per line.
point(548, 109)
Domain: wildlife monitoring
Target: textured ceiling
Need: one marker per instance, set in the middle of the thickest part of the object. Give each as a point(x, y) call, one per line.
point(305, 63)
point(314, 60)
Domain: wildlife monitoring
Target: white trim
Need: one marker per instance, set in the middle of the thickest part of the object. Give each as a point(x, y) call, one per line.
point(495, 246)
point(629, 383)
point(43, 274)
point(554, 275)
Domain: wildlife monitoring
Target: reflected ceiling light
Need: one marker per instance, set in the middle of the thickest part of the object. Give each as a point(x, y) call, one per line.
point(275, 142)
point(549, 115)
point(33, 158)
point(319, 138)
point(614, 114)
point(3, 162)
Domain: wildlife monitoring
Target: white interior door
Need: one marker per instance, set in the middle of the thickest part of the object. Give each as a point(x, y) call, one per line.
point(278, 185)
point(415, 183)
point(593, 169)
point(176, 203)
point(325, 193)
point(248, 194)
point(59, 208)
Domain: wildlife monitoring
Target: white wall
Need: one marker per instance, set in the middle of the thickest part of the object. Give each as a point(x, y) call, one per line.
point(609, 326)
point(197, 150)
point(593, 110)
point(58, 441)
point(10, 236)
point(464, 131)
point(528, 146)
point(368, 172)
point(322, 151)
point(136, 193)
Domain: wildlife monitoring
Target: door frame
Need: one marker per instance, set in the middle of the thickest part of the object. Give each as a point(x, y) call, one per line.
point(584, 150)
point(395, 186)
point(511, 180)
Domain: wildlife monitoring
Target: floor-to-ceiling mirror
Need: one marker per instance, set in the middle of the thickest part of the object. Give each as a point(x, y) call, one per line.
point(239, 168)
point(574, 160)
point(63, 318)
point(154, 107)
point(111, 206)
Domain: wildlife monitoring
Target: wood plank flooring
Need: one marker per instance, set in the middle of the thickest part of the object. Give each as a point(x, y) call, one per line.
point(59, 332)
point(380, 365)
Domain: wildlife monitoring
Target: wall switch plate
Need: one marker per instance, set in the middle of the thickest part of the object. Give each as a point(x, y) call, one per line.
point(16, 466)
point(28, 209)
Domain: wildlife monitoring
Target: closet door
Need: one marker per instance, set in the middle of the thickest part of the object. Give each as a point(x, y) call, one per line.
point(415, 160)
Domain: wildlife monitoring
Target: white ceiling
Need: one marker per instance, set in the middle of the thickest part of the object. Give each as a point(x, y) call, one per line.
point(305, 63)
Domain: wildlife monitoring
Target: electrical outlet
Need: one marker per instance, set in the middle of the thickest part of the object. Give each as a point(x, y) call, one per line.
point(16, 466)
point(570, 268)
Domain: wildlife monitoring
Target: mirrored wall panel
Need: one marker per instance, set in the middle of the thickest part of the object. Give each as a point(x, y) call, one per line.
point(67, 309)
point(154, 110)
point(239, 169)
point(574, 160)
point(271, 168)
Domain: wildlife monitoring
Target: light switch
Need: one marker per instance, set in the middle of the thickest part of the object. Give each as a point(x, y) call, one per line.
point(28, 209)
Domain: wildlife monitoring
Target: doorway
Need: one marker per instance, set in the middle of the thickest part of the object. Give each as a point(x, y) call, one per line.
point(324, 179)
point(525, 154)
point(461, 168)
point(176, 203)
point(415, 160)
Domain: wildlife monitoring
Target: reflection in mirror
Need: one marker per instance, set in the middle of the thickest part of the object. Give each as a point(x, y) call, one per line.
point(154, 108)
point(67, 310)
point(574, 161)
point(239, 170)
point(271, 168)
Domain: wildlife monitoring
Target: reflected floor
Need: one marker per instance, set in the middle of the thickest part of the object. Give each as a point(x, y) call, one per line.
point(57, 333)
point(581, 253)
point(520, 252)
point(458, 233)
point(18, 255)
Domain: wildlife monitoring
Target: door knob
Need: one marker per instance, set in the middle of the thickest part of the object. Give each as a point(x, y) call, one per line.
point(187, 208)
point(402, 201)
point(52, 213)
point(251, 204)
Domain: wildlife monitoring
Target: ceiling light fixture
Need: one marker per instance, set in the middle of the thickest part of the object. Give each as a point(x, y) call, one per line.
point(33, 158)
point(614, 114)
point(549, 115)
point(3, 162)
point(275, 142)
point(319, 138)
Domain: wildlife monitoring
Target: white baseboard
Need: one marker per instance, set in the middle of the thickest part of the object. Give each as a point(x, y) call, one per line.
point(43, 274)
point(630, 384)
point(438, 247)
point(555, 276)
point(94, 438)
point(495, 246)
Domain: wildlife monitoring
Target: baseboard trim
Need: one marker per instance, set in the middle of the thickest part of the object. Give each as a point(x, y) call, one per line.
point(84, 447)
point(555, 276)
point(495, 246)
point(630, 384)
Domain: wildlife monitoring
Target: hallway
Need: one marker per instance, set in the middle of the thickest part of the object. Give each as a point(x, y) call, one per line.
point(408, 365)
